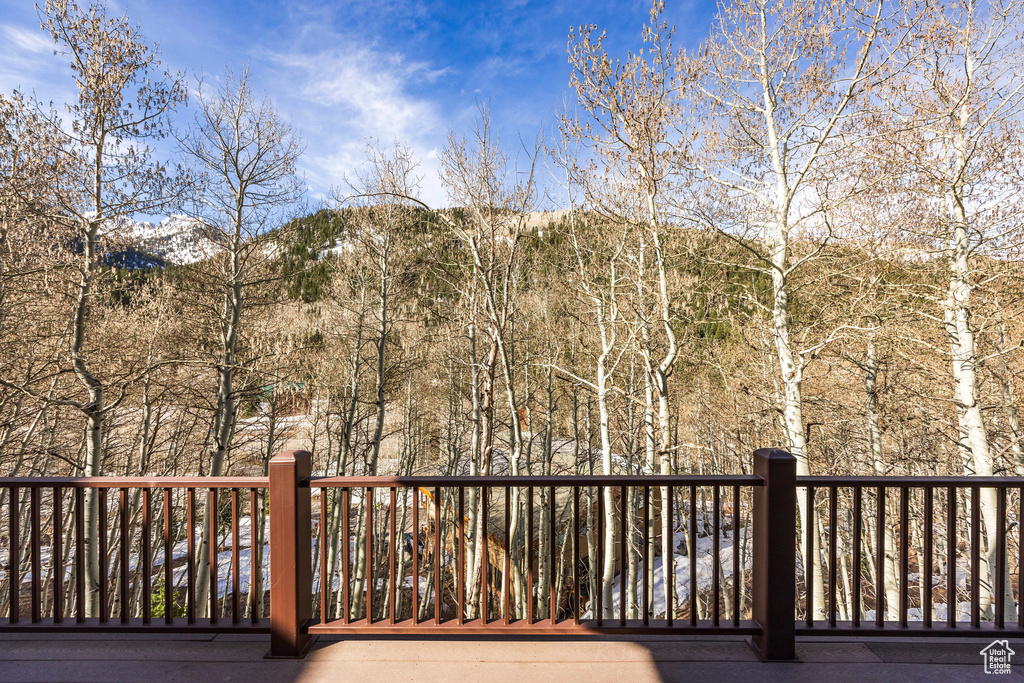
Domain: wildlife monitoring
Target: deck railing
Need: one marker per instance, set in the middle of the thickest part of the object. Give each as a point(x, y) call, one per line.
point(919, 524)
point(690, 555)
point(130, 553)
point(533, 522)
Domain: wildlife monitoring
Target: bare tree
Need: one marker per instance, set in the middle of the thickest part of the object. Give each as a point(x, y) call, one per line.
point(956, 143)
point(771, 89)
point(599, 282)
point(245, 157)
point(497, 196)
point(121, 103)
point(382, 219)
point(631, 122)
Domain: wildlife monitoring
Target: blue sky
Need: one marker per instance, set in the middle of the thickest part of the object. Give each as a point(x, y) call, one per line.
point(346, 72)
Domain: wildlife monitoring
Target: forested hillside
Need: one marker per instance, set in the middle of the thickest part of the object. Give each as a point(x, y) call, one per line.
point(333, 307)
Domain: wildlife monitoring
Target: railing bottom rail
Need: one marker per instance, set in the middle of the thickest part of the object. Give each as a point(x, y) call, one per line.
point(586, 627)
point(133, 626)
point(846, 629)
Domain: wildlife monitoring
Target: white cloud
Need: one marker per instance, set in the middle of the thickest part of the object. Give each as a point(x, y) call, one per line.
point(330, 168)
point(343, 98)
point(26, 40)
point(27, 63)
point(366, 90)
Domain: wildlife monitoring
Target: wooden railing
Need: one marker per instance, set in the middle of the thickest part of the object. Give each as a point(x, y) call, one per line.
point(572, 555)
point(437, 516)
point(917, 525)
point(440, 522)
point(130, 553)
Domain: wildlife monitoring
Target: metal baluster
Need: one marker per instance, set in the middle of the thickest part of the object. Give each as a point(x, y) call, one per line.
point(506, 567)
point(647, 554)
point(125, 551)
point(484, 582)
point(462, 558)
point(80, 555)
point(553, 602)
point(168, 561)
point(325, 580)
point(809, 556)
point(392, 575)
point(737, 581)
point(716, 569)
point(235, 582)
point(190, 587)
point(415, 556)
point(57, 554)
point(692, 549)
point(35, 557)
point(833, 565)
point(927, 571)
point(14, 522)
point(214, 581)
point(670, 589)
point(880, 557)
point(346, 559)
point(529, 555)
point(576, 552)
point(951, 601)
point(904, 554)
point(976, 557)
point(623, 525)
point(147, 560)
point(255, 559)
point(369, 556)
point(858, 522)
point(1000, 556)
point(437, 555)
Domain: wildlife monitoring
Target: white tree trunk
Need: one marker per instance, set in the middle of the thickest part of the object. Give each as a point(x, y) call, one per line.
point(973, 434)
point(1010, 404)
point(791, 367)
point(224, 415)
point(608, 570)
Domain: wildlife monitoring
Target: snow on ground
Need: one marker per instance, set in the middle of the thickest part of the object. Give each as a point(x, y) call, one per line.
point(704, 565)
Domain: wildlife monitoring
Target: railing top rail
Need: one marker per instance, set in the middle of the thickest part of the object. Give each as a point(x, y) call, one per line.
point(554, 480)
point(918, 482)
point(136, 482)
point(500, 481)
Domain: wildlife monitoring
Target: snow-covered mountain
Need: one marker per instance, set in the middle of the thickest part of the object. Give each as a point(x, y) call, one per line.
point(177, 239)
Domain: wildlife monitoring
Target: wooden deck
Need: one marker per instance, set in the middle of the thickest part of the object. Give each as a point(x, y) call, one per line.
point(197, 658)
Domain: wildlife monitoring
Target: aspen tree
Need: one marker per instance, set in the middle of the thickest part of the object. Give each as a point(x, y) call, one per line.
point(770, 92)
point(245, 157)
point(121, 104)
point(956, 146)
point(631, 115)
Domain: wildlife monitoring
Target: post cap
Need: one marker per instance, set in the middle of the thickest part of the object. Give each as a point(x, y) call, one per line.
point(773, 454)
point(290, 457)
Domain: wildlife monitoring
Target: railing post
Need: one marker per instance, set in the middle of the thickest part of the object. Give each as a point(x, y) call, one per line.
point(775, 555)
point(291, 570)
